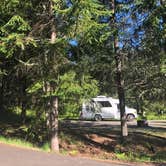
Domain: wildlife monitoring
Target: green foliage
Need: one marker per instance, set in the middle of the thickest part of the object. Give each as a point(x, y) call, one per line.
point(16, 24)
point(158, 107)
point(17, 142)
point(71, 85)
point(2, 73)
point(159, 157)
point(156, 111)
point(163, 66)
point(35, 87)
point(13, 42)
point(8, 6)
point(154, 116)
point(121, 156)
point(68, 86)
point(83, 22)
point(46, 147)
point(72, 91)
point(153, 110)
point(13, 35)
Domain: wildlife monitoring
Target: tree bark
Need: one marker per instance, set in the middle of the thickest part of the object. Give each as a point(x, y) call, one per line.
point(2, 94)
point(121, 94)
point(23, 111)
point(23, 85)
point(54, 124)
point(54, 100)
point(119, 59)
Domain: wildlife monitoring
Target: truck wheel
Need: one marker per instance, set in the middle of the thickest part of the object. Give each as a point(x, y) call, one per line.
point(98, 118)
point(130, 117)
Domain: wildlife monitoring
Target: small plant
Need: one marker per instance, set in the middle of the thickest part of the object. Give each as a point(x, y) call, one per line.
point(63, 151)
point(121, 156)
point(159, 157)
point(73, 152)
point(46, 147)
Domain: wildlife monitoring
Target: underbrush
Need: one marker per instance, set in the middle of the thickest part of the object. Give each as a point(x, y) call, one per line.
point(142, 144)
point(142, 157)
point(106, 144)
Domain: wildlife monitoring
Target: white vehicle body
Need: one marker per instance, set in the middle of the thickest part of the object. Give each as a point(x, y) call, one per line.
point(103, 107)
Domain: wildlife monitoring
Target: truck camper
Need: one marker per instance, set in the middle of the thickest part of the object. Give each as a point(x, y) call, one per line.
point(103, 107)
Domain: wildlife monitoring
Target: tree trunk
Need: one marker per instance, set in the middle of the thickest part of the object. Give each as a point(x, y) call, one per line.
point(121, 94)
point(54, 124)
point(2, 94)
point(23, 95)
point(23, 111)
point(119, 59)
point(54, 100)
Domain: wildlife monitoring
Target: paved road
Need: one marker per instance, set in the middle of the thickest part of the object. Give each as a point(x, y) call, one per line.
point(13, 156)
point(104, 124)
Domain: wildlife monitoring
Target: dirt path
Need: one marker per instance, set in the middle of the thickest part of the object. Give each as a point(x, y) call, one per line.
point(14, 156)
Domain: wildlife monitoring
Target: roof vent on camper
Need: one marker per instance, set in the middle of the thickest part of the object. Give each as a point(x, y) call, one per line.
point(101, 96)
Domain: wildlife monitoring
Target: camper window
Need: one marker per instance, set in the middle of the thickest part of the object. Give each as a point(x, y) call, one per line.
point(104, 103)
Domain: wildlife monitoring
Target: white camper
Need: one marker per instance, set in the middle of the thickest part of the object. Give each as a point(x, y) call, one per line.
point(103, 107)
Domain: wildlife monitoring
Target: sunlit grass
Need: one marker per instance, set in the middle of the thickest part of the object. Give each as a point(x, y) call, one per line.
point(46, 147)
point(130, 156)
point(156, 117)
point(24, 144)
point(17, 142)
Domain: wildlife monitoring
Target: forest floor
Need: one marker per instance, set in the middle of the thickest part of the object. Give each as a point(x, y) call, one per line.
point(142, 144)
point(104, 143)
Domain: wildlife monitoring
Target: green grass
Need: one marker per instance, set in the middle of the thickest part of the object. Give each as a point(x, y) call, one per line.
point(46, 147)
point(156, 117)
point(138, 157)
point(17, 142)
point(121, 156)
point(22, 143)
